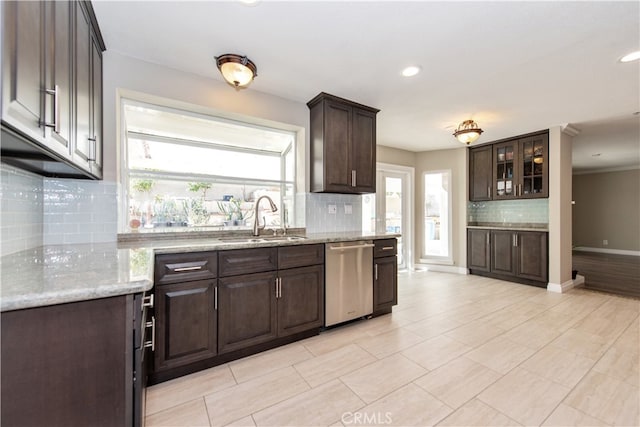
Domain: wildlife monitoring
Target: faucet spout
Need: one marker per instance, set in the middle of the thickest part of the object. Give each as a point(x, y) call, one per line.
point(256, 222)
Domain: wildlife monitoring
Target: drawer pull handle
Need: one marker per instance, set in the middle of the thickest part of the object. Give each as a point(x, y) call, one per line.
point(147, 301)
point(56, 108)
point(151, 343)
point(181, 269)
point(387, 248)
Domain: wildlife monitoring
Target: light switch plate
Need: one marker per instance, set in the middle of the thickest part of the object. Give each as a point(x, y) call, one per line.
point(332, 209)
point(348, 209)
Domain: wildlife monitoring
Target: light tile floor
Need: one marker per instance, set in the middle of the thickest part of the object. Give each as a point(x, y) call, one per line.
point(456, 351)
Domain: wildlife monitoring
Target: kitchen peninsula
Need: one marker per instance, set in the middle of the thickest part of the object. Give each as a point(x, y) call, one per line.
point(89, 313)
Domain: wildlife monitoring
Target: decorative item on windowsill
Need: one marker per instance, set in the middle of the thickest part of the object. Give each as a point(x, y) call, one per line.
point(238, 71)
point(467, 132)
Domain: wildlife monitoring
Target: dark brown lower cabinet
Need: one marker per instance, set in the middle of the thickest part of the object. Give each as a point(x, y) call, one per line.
point(246, 310)
point(186, 323)
point(503, 253)
point(68, 364)
point(301, 299)
point(385, 287)
point(478, 249)
point(532, 256)
point(519, 256)
point(385, 275)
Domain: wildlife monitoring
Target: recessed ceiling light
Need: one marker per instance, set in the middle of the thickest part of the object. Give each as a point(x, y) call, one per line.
point(249, 2)
point(633, 56)
point(411, 71)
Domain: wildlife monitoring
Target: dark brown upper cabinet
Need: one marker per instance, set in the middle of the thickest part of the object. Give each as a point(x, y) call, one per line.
point(480, 173)
point(514, 168)
point(52, 88)
point(343, 146)
point(521, 168)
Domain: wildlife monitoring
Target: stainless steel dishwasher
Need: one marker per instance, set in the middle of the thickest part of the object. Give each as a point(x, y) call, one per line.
point(348, 281)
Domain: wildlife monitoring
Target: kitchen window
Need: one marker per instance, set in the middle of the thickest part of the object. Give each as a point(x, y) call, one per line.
point(186, 169)
point(437, 216)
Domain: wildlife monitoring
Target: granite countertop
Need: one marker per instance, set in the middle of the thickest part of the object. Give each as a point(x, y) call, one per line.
point(58, 274)
point(516, 226)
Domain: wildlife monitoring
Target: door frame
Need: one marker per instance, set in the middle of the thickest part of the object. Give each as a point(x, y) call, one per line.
point(408, 225)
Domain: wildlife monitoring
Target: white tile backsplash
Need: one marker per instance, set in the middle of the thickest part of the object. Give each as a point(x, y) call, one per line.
point(21, 225)
point(319, 220)
point(79, 211)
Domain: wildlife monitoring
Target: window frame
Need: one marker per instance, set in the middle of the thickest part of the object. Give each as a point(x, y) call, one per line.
point(126, 174)
point(438, 259)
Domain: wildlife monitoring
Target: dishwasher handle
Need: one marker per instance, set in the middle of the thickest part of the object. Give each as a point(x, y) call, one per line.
point(340, 248)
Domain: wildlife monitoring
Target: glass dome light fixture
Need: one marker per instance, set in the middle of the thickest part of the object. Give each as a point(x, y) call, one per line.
point(467, 132)
point(238, 71)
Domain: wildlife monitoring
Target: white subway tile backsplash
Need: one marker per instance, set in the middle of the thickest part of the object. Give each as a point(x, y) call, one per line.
point(78, 211)
point(21, 220)
point(319, 220)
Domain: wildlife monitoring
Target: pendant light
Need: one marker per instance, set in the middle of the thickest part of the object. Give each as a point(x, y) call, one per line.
point(467, 132)
point(238, 71)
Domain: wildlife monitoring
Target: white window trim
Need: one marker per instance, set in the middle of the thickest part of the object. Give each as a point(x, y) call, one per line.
point(127, 97)
point(431, 259)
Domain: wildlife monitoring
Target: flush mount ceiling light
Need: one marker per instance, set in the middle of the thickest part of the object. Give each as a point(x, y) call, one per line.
point(411, 71)
point(630, 57)
point(237, 70)
point(467, 132)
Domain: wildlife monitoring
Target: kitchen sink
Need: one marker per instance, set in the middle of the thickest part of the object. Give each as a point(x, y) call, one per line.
point(262, 239)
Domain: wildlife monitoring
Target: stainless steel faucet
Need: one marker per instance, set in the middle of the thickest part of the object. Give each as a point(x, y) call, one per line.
point(256, 222)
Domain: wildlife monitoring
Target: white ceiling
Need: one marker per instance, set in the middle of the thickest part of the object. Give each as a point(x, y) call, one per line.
point(514, 67)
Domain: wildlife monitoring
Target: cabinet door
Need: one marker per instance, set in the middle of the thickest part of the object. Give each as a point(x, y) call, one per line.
point(337, 147)
point(534, 167)
point(246, 310)
point(23, 60)
point(67, 364)
point(58, 74)
point(385, 283)
point(363, 151)
point(503, 254)
point(82, 143)
point(478, 250)
point(96, 110)
point(186, 328)
point(532, 255)
point(301, 299)
point(480, 173)
point(505, 171)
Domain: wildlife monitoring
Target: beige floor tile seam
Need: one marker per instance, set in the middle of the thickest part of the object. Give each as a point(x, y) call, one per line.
point(630, 325)
point(471, 398)
point(563, 401)
point(206, 408)
point(181, 404)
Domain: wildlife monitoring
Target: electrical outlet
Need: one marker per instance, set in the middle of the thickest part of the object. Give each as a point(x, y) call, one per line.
point(348, 209)
point(605, 243)
point(332, 209)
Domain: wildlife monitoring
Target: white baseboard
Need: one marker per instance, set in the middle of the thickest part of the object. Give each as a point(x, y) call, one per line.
point(607, 251)
point(445, 268)
point(564, 287)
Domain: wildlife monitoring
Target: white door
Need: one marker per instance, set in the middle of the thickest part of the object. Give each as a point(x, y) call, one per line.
point(389, 210)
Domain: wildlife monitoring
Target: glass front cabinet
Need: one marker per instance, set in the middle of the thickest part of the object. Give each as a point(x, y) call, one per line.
point(520, 168)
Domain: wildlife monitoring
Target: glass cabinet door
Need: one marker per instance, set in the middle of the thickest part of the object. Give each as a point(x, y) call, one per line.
point(505, 156)
point(533, 167)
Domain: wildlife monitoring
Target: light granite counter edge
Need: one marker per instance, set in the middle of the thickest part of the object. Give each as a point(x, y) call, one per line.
point(42, 299)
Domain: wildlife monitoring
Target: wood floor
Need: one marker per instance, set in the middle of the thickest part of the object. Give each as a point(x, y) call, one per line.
point(617, 274)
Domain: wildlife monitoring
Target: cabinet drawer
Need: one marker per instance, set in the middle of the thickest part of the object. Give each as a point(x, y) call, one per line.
point(300, 256)
point(385, 247)
point(174, 268)
point(245, 261)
